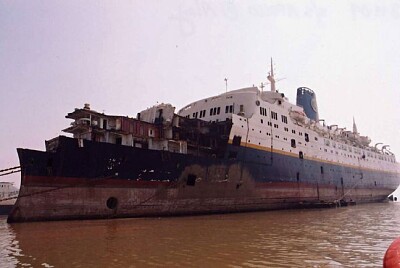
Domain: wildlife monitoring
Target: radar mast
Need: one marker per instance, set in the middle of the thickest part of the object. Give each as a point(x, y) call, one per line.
point(271, 78)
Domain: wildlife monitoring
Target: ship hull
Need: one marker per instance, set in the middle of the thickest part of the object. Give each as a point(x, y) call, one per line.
point(67, 203)
point(111, 181)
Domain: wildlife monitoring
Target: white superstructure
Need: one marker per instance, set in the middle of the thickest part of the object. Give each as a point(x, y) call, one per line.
point(266, 120)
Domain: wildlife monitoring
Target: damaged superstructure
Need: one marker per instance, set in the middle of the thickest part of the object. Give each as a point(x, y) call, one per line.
point(156, 128)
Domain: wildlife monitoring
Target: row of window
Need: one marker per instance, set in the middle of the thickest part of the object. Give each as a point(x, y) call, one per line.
point(263, 111)
point(353, 156)
point(229, 109)
point(293, 145)
point(274, 115)
point(196, 114)
point(306, 137)
point(344, 147)
point(213, 111)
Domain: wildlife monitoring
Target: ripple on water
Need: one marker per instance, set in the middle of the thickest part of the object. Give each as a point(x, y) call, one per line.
point(346, 237)
point(9, 249)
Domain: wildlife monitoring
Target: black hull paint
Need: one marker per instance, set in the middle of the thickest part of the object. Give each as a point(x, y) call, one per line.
point(77, 182)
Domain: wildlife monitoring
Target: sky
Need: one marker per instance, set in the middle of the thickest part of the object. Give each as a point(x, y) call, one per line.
point(125, 56)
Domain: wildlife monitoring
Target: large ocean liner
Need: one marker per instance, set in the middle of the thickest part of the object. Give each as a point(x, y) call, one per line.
point(243, 150)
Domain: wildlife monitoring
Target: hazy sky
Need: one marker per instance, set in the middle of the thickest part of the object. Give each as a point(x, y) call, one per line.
point(124, 56)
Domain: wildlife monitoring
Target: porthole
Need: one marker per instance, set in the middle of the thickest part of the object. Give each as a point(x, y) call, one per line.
point(112, 203)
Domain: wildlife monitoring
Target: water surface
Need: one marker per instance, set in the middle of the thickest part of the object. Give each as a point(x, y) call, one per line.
point(356, 236)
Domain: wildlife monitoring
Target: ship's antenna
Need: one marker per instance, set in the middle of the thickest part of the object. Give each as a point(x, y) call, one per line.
point(262, 86)
point(226, 85)
point(271, 78)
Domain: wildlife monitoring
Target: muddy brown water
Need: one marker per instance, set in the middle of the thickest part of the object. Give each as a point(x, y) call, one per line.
point(355, 236)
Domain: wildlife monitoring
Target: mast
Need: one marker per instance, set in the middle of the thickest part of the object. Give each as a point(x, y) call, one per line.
point(271, 78)
point(354, 127)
